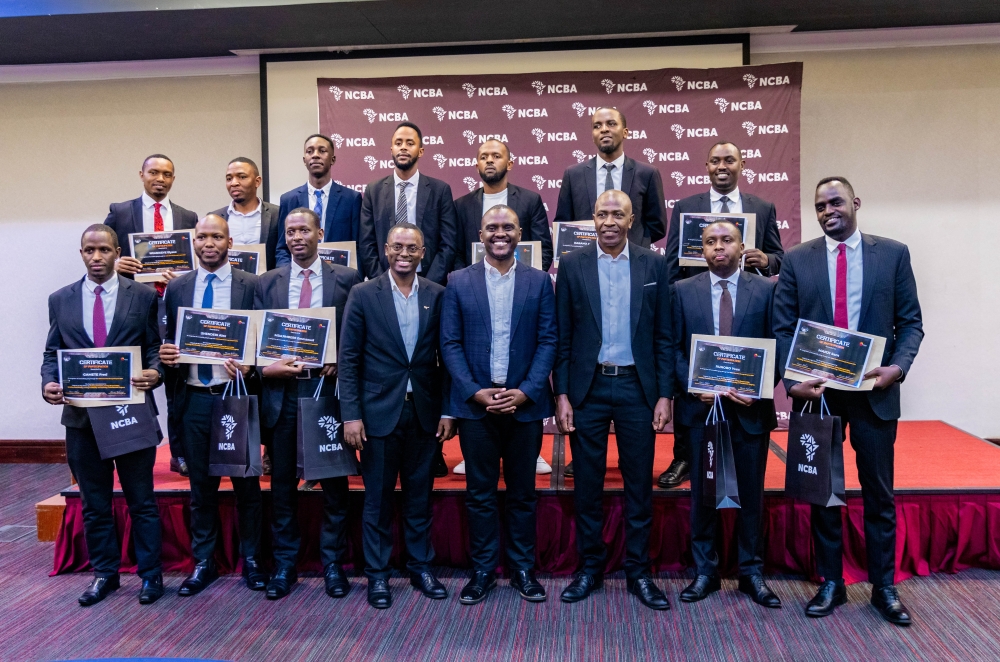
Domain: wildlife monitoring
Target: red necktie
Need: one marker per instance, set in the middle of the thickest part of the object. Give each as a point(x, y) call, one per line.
point(306, 295)
point(157, 218)
point(840, 300)
point(100, 325)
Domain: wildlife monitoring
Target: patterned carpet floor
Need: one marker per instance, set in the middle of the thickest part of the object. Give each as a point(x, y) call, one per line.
point(957, 616)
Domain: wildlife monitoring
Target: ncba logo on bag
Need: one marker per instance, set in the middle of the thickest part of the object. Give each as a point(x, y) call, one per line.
point(229, 423)
point(330, 425)
point(127, 420)
point(810, 446)
point(711, 461)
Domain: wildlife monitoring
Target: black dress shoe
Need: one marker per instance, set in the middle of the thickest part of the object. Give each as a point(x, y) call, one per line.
point(886, 600)
point(702, 587)
point(378, 594)
point(568, 469)
point(678, 472)
point(254, 575)
point(182, 467)
point(440, 466)
point(581, 587)
point(100, 588)
point(526, 584)
point(152, 590)
point(281, 583)
point(478, 588)
point(336, 582)
point(648, 593)
point(428, 584)
point(759, 591)
point(309, 485)
point(204, 574)
point(831, 594)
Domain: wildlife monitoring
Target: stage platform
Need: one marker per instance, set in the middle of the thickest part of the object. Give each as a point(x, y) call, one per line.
point(948, 513)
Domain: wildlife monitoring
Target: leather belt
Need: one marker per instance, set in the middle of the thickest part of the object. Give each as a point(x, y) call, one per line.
point(208, 390)
point(498, 385)
point(307, 373)
point(616, 370)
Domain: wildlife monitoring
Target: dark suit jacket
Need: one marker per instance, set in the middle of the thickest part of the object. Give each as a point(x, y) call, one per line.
point(467, 340)
point(693, 315)
point(373, 367)
point(766, 239)
point(642, 184)
point(134, 324)
point(340, 223)
point(529, 209)
point(435, 217)
point(578, 306)
point(272, 294)
point(889, 305)
point(180, 294)
point(126, 217)
point(268, 229)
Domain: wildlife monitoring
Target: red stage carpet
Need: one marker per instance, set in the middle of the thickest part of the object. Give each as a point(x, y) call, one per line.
point(948, 514)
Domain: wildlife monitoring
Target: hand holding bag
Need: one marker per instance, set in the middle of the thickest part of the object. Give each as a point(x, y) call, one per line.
point(322, 452)
point(234, 441)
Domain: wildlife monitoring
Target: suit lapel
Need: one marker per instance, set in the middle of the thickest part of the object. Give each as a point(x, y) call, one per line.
point(478, 273)
point(423, 193)
point(329, 284)
point(637, 272)
point(424, 301)
point(747, 202)
point(384, 296)
point(744, 291)
point(521, 287)
point(704, 205)
point(822, 279)
point(122, 306)
point(265, 222)
point(869, 268)
point(592, 283)
point(704, 288)
point(187, 290)
point(281, 288)
point(330, 210)
point(74, 309)
point(136, 217)
point(591, 174)
point(628, 171)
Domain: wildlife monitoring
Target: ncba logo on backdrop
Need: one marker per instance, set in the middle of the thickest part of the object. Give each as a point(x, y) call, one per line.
point(480, 138)
point(426, 92)
point(350, 94)
point(680, 178)
point(472, 90)
point(471, 183)
point(453, 114)
point(580, 155)
point(511, 111)
point(652, 155)
point(340, 141)
point(765, 81)
point(765, 176)
point(559, 136)
point(543, 183)
point(680, 84)
point(700, 132)
point(384, 117)
point(653, 107)
point(610, 86)
point(378, 163)
point(725, 105)
point(541, 88)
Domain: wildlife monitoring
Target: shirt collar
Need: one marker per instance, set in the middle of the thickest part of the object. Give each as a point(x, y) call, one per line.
point(852, 241)
point(222, 273)
point(234, 212)
point(316, 267)
point(495, 273)
point(601, 254)
point(734, 279)
point(414, 180)
point(325, 189)
point(148, 202)
point(395, 288)
point(620, 162)
point(110, 285)
point(733, 195)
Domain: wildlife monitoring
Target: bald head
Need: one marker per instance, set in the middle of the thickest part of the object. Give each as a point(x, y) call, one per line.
point(212, 242)
point(612, 219)
point(213, 221)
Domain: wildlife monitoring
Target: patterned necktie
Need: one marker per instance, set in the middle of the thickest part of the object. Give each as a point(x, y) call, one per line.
point(207, 300)
point(609, 183)
point(100, 324)
point(840, 317)
point(401, 203)
point(725, 205)
point(319, 206)
point(157, 218)
point(306, 293)
point(725, 310)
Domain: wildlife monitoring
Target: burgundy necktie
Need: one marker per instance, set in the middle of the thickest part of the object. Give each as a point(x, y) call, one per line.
point(840, 300)
point(157, 218)
point(725, 310)
point(306, 294)
point(100, 326)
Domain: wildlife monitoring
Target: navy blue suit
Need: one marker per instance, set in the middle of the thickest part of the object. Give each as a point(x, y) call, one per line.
point(889, 308)
point(341, 212)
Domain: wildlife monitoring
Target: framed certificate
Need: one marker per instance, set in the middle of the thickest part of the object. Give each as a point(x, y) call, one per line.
point(249, 258)
point(343, 253)
point(529, 252)
point(307, 335)
point(722, 362)
point(213, 336)
point(567, 237)
point(100, 377)
point(839, 356)
point(689, 247)
point(162, 251)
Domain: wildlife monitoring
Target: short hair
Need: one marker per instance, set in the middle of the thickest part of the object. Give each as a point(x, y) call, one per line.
point(502, 208)
point(305, 211)
point(725, 221)
point(495, 140)
point(319, 135)
point(411, 125)
point(726, 142)
point(620, 113)
point(837, 178)
point(398, 227)
point(101, 227)
point(243, 159)
point(156, 156)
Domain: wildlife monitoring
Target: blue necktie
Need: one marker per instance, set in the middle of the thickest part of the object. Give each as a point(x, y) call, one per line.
point(204, 369)
point(319, 206)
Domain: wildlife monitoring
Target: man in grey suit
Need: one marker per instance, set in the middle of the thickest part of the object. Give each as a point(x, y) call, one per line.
point(251, 220)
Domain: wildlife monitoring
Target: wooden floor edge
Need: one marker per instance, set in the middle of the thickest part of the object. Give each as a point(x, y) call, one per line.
point(32, 451)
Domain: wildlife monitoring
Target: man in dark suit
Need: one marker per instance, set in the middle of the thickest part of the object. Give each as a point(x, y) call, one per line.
point(725, 301)
point(725, 163)
point(308, 282)
point(251, 220)
point(862, 283)
point(611, 169)
point(214, 284)
point(613, 307)
point(337, 205)
point(408, 196)
point(105, 310)
point(493, 162)
point(498, 340)
point(392, 400)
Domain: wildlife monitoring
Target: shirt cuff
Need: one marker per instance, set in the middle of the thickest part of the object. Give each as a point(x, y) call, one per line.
point(447, 416)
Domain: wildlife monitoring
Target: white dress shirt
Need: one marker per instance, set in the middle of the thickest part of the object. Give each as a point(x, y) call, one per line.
point(148, 211)
point(500, 290)
point(616, 174)
point(315, 278)
point(735, 201)
point(109, 297)
point(326, 200)
point(222, 290)
point(245, 228)
point(491, 200)
point(408, 316)
point(615, 276)
point(855, 276)
point(733, 281)
point(411, 196)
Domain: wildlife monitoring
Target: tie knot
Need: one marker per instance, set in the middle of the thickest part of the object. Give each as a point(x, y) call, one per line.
point(724, 284)
point(842, 248)
point(157, 205)
point(725, 198)
point(307, 273)
point(99, 290)
point(210, 277)
point(319, 193)
point(609, 166)
point(402, 185)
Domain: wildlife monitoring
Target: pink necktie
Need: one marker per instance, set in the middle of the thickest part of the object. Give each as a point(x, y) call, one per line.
point(840, 300)
point(306, 295)
point(100, 326)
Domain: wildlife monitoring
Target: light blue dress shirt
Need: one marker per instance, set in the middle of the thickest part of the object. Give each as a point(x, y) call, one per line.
point(222, 293)
point(500, 289)
point(616, 174)
point(408, 316)
point(615, 278)
point(855, 276)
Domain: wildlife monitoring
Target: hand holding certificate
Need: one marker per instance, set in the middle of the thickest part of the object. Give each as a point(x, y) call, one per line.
point(213, 336)
point(721, 363)
point(307, 336)
point(100, 377)
point(689, 250)
point(841, 357)
point(162, 251)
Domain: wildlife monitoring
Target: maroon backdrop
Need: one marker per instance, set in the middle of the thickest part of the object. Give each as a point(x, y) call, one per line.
point(674, 116)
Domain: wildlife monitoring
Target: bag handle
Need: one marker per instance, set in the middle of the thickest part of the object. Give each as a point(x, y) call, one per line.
point(319, 387)
point(822, 407)
point(715, 413)
point(228, 390)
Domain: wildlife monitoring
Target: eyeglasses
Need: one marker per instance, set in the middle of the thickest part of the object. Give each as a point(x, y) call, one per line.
point(409, 250)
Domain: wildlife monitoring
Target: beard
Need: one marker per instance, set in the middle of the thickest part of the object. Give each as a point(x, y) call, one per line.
point(608, 149)
point(495, 178)
point(405, 167)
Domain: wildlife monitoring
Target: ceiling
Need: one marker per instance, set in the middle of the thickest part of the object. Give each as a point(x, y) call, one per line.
point(54, 31)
